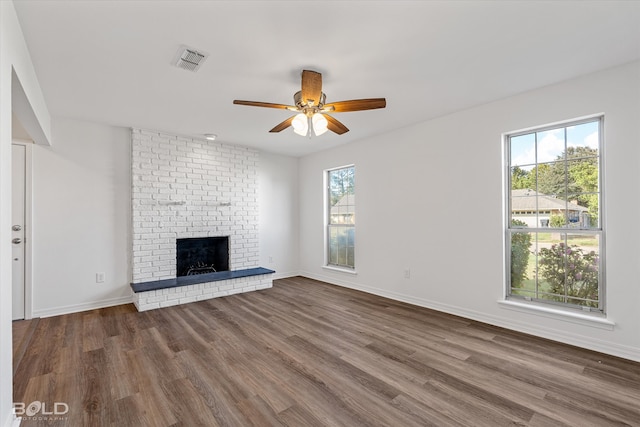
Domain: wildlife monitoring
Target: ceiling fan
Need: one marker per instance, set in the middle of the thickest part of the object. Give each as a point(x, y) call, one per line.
point(312, 109)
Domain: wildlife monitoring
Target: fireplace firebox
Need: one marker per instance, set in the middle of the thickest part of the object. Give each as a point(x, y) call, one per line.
point(202, 255)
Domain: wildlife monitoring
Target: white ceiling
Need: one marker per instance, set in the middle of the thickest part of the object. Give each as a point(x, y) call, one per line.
point(111, 61)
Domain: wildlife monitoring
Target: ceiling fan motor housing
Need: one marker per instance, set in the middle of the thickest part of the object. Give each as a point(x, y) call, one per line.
point(304, 106)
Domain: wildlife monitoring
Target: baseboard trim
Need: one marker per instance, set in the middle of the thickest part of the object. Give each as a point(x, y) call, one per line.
point(588, 343)
point(285, 275)
point(75, 308)
point(12, 420)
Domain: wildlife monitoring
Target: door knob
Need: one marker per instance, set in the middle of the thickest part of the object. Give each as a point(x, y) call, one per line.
point(16, 241)
point(16, 228)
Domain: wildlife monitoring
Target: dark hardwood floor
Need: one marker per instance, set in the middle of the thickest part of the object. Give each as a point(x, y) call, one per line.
point(306, 353)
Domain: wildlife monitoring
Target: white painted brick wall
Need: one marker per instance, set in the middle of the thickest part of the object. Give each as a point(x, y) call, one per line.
point(186, 187)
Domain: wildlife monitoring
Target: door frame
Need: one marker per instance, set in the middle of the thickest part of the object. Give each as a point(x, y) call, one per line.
point(28, 230)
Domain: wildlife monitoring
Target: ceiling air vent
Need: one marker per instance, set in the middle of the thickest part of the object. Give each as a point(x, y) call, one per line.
point(190, 59)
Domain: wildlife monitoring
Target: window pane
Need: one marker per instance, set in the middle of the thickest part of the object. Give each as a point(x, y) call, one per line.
point(552, 180)
point(523, 150)
point(550, 266)
point(583, 135)
point(333, 246)
point(524, 208)
point(550, 145)
point(522, 179)
point(342, 255)
point(351, 247)
point(582, 174)
point(588, 206)
point(523, 263)
point(583, 267)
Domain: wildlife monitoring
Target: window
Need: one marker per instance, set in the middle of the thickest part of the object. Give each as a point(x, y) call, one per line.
point(556, 248)
point(341, 219)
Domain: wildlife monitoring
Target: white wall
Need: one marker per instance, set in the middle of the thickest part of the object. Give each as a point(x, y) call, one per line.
point(278, 219)
point(15, 64)
point(81, 217)
point(415, 187)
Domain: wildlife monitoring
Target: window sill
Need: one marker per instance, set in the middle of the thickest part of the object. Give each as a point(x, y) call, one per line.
point(340, 269)
point(593, 320)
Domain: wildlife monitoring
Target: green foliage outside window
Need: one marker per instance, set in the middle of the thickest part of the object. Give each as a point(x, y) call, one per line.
point(520, 250)
point(571, 272)
point(557, 221)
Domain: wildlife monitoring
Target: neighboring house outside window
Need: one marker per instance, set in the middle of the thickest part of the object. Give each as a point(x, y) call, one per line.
point(554, 215)
point(341, 219)
point(524, 208)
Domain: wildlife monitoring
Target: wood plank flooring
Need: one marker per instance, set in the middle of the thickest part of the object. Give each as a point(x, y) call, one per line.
point(306, 353)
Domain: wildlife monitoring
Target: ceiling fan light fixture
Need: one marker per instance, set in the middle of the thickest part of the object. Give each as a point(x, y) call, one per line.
point(320, 124)
point(311, 106)
point(300, 124)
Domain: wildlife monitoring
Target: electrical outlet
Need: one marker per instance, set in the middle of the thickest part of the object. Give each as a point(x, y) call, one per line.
point(270, 259)
point(407, 274)
point(100, 277)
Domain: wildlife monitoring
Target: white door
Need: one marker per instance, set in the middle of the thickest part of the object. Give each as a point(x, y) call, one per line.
point(18, 221)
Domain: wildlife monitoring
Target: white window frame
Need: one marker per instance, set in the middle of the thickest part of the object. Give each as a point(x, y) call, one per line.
point(327, 225)
point(542, 304)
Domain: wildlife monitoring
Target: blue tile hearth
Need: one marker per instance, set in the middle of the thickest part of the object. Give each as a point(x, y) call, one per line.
point(200, 278)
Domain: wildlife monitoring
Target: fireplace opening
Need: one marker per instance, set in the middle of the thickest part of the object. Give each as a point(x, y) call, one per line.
point(202, 255)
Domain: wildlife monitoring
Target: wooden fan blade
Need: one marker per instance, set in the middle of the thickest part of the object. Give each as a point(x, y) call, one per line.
point(335, 125)
point(311, 87)
point(356, 105)
point(263, 104)
point(282, 126)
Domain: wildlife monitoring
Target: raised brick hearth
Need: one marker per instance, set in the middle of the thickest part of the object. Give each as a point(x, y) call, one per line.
point(185, 289)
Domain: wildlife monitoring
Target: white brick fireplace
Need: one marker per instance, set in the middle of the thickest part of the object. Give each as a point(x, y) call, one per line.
point(185, 187)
